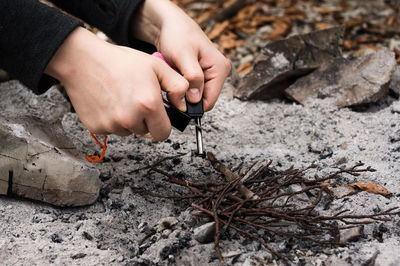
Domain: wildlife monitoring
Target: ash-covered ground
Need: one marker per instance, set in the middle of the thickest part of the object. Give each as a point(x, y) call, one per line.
point(109, 231)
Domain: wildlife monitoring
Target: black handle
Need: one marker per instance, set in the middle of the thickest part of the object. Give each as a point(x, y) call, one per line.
point(195, 110)
point(179, 119)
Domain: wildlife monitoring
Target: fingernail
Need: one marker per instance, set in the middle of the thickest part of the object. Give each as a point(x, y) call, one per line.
point(194, 94)
point(182, 106)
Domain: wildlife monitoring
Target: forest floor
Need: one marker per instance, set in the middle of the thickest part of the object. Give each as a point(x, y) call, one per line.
point(110, 231)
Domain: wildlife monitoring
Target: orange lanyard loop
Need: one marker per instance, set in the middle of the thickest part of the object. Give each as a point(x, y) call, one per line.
point(96, 158)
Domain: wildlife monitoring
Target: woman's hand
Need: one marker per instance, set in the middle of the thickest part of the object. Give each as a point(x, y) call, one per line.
point(116, 89)
point(184, 44)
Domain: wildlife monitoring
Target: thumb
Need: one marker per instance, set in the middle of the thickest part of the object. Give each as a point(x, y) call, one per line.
point(188, 64)
point(173, 83)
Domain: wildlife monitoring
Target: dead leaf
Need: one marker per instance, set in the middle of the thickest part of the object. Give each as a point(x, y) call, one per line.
point(368, 38)
point(281, 28)
point(370, 187)
point(353, 22)
point(218, 29)
point(392, 20)
point(227, 42)
point(293, 13)
point(259, 20)
point(204, 16)
point(350, 44)
point(323, 26)
point(245, 68)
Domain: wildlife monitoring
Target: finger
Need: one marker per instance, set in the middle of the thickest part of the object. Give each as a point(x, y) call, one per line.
point(189, 66)
point(214, 80)
point(158, 123)
point(155, 116)
point(124, 123)
point(173, 83)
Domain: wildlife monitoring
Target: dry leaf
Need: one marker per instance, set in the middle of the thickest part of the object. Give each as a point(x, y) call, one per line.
point(245, 68)
point(350, 44)
point(368, 38)
point(204, 16)
point(227, 42)
point(281, 28)
point(370, 187)
point(260, 20)
point(293, 12)
point(325, 10)
point(323, 26)
point(392, 20)
point(218, 29)
point(353, 22)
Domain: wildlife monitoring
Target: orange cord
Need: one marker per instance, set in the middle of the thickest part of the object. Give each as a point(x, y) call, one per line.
point(95, 158)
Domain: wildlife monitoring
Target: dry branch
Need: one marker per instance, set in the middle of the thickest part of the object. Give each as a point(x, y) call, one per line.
point(275, 208)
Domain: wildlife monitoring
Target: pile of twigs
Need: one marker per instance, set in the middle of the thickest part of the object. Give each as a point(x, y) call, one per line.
point(249, 201)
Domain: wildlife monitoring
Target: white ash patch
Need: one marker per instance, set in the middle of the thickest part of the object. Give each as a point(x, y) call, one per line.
point(279, 61)
point(19, 130)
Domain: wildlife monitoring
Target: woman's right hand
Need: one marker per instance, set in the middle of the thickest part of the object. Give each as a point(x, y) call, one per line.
point(115, 89)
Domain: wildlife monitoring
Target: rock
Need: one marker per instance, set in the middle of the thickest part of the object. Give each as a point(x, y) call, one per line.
point(205, 233)
point(352, 234)
point(166, 223)
point(78, 256)
point(347, 83)
point(37, 161)
point(396, 107)
point(282, 61)
point(4, 76)
point(395, 81)
point(56, 238)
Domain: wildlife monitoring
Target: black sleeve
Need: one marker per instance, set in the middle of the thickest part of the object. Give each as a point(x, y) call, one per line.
point(110, 16)
point(30, 34)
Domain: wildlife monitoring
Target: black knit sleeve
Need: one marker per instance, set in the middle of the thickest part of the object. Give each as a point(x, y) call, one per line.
point(110, 16)
point(30, 34)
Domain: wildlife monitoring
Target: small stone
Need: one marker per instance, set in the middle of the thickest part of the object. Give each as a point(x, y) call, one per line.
point(176, 146)
point(396, 107)
point(383, 228)
point(56, 238)
point(166, 233)
point(205, 233)
point(166, 223)
point(282, 61)
point(232, 253)
point(352, 234)
point(347, 83)
point(78, 256)
point(249, 262)
point(341, 160)
point(87, 236)
point(309, 253)
point(143, 227)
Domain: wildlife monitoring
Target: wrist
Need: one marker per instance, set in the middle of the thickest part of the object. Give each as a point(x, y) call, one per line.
point(147, 22)
point(63, 63)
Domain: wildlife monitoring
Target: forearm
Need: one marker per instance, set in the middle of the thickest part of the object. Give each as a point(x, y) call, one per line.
point(30, 34)
point(112, 17)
